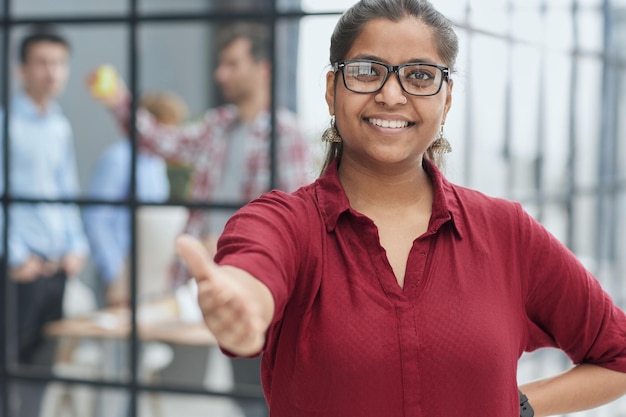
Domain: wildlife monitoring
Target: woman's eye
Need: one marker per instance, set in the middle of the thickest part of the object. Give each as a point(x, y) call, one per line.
point(420, 75)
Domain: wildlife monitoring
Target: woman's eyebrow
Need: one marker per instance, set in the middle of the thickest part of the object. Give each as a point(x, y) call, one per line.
point(379, 59)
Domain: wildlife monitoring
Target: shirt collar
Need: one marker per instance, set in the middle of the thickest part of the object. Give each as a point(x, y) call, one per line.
point(446, 206)
point(24, 105)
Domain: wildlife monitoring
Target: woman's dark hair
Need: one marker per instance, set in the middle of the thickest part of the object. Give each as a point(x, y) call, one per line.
point(351, 24)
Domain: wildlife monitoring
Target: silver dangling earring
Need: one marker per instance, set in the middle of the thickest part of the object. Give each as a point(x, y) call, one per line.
point(331, 135)
point(441, 144)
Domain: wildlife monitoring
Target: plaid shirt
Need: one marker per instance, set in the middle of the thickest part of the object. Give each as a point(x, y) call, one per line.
point(203, 146)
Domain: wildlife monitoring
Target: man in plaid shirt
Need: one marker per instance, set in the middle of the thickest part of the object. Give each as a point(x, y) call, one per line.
point(229, 148)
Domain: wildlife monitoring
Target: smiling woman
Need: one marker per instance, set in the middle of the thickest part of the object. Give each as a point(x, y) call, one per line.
point(392, 100)
point(410, 295)
point(533, 118)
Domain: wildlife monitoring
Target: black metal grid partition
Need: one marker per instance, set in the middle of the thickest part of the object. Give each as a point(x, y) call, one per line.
point(535, 118)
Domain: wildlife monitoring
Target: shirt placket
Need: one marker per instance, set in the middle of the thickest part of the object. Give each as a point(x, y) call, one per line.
point(408, 325)
point(403, 300)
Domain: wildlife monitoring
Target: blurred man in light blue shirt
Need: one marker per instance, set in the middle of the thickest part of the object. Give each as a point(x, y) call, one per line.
point(43, 237)
point(46, 240)
point(108, 227)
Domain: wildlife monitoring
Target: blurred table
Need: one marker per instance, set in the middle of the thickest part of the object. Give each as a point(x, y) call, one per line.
point(157, 321)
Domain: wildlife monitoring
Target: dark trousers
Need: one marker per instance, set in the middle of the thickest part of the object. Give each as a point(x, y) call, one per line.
point(38, 303)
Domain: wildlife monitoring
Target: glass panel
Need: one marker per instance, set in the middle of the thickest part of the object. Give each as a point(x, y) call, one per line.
point(63, 400)
point(541, 364)
point(455, 11)
point(174, 405)
point(528, 25)
point(584, 233)
point(556, 133)
point(172, 358)
point(44, 277)
point(526, 5)
point(591, 27)
point(620, 248)
point(247, 380)
point(109, 402)
point(587, 121)
point(187, 72)
point(619, 36)
point(199, 6)
point(592, 4)
point(242, 5)
point(71, 348)
point(204, 86)
point(525, 99)
point(485, 86)
point(308, 63)
point(460, 160)
point(173, 6)
point(157, 228)
point(42, 8)
point(302, 61)
point(559, 29)
point(493, 18)
point(32, 155)
point(313, 6)
point(554, 218)
point(6, 55)
point(92, 128)
point(532, 208)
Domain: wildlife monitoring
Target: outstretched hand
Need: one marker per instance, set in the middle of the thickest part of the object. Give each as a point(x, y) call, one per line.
point(237, 308)
point(110, 91)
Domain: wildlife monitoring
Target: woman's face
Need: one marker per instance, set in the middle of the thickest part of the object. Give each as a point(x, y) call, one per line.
point(360, 117)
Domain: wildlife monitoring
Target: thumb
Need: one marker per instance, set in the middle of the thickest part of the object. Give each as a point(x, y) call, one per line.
point(195, 256)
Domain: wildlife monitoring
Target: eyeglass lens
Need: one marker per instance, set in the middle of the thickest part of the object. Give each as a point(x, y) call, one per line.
point(368, 77)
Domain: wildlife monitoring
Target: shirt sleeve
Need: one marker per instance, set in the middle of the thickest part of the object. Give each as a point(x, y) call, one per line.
point(265, 239)
point(566, 306)
point(110, 181)
point(18, 251)
point(178, 144)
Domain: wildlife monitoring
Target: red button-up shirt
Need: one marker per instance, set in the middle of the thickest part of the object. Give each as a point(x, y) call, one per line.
point(484, 284)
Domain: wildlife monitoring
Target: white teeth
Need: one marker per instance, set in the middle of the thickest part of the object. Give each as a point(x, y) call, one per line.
point(393, 124)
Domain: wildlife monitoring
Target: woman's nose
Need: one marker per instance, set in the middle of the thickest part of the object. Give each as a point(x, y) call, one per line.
point(391, 93)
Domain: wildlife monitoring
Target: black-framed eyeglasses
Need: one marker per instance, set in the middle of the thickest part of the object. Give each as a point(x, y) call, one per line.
point(416, 78)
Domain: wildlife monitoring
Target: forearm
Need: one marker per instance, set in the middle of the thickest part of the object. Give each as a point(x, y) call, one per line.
point(581, 388)
point(257, 291)
point(178, 144)
point(237, 308)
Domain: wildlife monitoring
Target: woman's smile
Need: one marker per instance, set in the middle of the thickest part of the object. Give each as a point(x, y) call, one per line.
point(389, 123)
